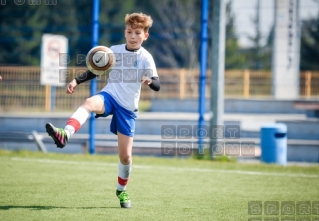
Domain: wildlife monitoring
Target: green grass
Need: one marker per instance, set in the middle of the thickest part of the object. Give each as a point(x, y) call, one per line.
point(37, 186)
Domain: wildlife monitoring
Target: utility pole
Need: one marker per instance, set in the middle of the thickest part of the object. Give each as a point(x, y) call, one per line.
point(218, 69)
point(286, 50)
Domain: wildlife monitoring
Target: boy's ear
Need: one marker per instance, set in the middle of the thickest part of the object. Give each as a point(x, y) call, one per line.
point(146, 36)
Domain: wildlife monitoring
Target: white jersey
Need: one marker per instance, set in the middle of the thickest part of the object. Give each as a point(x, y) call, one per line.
point(124, 82)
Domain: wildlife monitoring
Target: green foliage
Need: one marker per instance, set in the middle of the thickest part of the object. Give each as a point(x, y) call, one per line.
point(258, 56)
point(21, 39)
point(25, 24)
point(234, 58)
point(174, 38)
point(309, 48)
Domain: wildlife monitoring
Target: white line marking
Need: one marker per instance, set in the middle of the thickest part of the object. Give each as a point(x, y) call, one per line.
point(202, 170)
point(63, 162)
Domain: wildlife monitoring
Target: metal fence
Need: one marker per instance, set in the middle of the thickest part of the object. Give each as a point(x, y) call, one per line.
point(21, 90)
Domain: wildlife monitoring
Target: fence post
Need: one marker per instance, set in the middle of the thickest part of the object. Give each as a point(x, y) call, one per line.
point(308, 84)
point(182, 83)
point(246, 83)
point(47, 98)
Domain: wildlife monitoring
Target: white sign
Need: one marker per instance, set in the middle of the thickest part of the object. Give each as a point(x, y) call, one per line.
point(54, 47)
point(285, 69)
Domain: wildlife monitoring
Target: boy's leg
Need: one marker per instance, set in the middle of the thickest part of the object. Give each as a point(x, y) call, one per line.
point(61, 136)
point(125, 144)
point(92, 104)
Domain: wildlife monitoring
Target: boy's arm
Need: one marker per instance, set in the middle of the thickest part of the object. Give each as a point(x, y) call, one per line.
point(86, 76)
point(152, 82)
point(151, 74)
point(155, 85)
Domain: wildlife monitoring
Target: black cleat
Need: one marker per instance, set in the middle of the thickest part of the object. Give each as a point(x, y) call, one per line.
point(58, 135)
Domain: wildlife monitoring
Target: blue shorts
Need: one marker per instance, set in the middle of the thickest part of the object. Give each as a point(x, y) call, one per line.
point(123, 120)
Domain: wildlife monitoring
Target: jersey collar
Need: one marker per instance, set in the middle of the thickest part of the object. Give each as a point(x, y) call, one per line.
point(135, 50)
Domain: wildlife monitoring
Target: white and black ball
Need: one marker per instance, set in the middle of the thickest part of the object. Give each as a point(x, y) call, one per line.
point(100, 60)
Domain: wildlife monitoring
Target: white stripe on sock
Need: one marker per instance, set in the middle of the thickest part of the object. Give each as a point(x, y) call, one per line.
point(124, 172)
point(81, 114)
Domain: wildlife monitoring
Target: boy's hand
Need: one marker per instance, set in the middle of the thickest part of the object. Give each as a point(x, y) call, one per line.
point(146, 80)
point(71, 87)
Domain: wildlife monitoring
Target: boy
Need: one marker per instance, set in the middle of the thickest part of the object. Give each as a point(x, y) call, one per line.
point(117, 98)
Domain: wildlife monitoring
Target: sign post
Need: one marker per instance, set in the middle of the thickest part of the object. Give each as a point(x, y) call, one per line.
point(51, 76)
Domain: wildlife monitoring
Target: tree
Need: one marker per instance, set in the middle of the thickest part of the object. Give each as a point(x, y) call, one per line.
point(309, 45)
point(174, 38)
point(233, 56)
point(18, 40)
point(258, 55)
point(25, 24)
point(253, 53)
point(112, 22)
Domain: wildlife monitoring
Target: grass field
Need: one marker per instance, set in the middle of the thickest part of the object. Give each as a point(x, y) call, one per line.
point(37, 186)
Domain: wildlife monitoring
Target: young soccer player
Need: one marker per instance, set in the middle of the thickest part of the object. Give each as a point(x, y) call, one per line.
point(117, 98)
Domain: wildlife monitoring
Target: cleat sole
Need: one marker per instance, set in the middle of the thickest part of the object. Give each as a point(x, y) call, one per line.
point(126, 205)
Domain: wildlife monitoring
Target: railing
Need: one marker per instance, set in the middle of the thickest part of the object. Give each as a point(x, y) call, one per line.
point(21, 88)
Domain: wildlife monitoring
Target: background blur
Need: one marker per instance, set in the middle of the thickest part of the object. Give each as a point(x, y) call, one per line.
point(174, 43)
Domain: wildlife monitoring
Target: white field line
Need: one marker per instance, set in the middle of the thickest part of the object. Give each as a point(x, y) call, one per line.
point(184, 169)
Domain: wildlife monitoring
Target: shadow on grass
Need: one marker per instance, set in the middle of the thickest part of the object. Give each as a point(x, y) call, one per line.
point(52, 207)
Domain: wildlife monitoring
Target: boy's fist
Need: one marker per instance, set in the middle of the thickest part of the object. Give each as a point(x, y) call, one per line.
point(71, 87)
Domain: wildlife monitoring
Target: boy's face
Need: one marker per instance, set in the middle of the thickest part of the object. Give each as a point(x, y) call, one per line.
point(135, 37)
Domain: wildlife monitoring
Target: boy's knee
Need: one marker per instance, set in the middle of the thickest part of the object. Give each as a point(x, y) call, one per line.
point(92, 104)
point(88, 104)
point(125, 159)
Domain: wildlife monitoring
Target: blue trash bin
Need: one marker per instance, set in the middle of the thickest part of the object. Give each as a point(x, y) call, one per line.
point(273, 140)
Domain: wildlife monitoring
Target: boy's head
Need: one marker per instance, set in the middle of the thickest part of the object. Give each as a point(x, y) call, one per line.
point(139, 20)
point(136, 31)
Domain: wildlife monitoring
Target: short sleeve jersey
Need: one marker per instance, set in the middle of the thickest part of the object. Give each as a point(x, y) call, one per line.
point(124, 82)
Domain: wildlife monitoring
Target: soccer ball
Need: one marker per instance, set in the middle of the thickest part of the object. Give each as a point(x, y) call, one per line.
point(100, 60)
